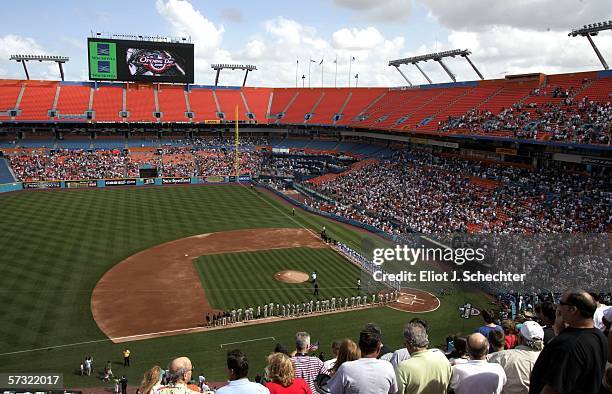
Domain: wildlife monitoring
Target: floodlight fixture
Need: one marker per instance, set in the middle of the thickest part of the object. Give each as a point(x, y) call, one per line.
point(23, 59)
point(245, 67)
point(589, 31)
point(436, 56)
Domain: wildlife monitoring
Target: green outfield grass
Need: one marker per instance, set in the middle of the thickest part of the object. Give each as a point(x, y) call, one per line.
point(55, 246)
point(256, 285)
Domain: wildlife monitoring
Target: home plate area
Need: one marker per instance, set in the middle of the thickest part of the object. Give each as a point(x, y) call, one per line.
point(415, 301)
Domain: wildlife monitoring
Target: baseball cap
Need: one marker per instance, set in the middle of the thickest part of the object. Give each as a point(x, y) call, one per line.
point(607, 313)
point(532, 331)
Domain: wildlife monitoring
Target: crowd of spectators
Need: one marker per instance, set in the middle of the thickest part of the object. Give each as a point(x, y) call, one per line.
point(563, 349)
point(39, 165)
point(584, 121)
point(300, 167)
point(422, 192)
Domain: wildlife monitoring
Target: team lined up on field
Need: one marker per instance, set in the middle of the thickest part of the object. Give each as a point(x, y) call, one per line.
point(298, 309)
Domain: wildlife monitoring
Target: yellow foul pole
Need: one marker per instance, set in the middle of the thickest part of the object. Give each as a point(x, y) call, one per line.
point(237, 158)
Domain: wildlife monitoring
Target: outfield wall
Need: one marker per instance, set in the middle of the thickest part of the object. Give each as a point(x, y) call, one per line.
point(102, 183)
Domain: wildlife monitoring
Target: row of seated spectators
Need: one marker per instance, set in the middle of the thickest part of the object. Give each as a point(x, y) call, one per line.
point(584, 122)
point(557, 347)
point(213, 142)
point(422, 192)
point(299, 167)
point(39, 165)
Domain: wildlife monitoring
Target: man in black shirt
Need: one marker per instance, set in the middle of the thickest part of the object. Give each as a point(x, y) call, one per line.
point(574, 361)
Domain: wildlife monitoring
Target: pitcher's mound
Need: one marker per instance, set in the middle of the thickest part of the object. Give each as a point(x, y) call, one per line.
point(290, 276)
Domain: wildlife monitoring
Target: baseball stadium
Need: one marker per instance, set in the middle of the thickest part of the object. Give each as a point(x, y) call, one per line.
point(155, 217)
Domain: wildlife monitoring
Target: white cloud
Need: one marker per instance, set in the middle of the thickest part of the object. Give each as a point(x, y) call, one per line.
point(17, 45)
point(367, 38)
point(378, 10)
point(562, 15)
point(502, 43)
point(187, 21)
point(504, 50)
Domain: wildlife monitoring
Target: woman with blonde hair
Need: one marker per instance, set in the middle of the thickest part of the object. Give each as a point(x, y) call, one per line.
point(349, 351)
point(281, 376)
point(151, 381)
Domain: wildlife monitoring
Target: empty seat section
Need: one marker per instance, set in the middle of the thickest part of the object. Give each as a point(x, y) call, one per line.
point(140, 103)
point(508, 95)
point(461, 106)
point(228, 100)
point(107, 103)
point(73, 99)
point(330, 105)
point(393, 106)
point(258, 99)
point(37, 100)
point(360, 99)
point(280, 100)
point(302, 105)
point(172, 103)
point(9, 91)
point(432, 103)
point(599, 90)
point(203, 104)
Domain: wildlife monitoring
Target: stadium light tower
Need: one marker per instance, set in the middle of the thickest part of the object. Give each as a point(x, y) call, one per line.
point(23, 59)
point(437, 56)
point(592, 30)
point(219, 67)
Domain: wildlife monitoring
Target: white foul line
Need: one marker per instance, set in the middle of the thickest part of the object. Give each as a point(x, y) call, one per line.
point(248, 340)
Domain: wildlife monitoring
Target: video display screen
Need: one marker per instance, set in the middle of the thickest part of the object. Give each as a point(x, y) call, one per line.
point(139, 61)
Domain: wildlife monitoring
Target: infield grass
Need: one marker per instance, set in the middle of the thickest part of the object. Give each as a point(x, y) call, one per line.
point(246, 279)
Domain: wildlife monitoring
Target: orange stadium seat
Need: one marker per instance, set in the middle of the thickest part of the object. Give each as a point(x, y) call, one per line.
point(37, 100)
point(330, 105)
point(258, 100)
point(228, 100)
point(203, 104)
point(360, 99)
point(73, 99)
point(461, 105)
point(172, 103)
point(281, 98)
point(9, 91)
point(108, 103)
point(140, 103)
point(302, 105)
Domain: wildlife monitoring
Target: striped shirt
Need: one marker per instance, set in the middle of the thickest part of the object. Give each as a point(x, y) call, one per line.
point(308, 368)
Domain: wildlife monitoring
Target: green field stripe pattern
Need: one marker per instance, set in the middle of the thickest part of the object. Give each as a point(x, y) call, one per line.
point(246, 279)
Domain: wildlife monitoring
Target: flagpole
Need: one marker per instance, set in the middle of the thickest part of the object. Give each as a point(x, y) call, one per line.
point(322, 73)
point(336, 74)
point(350, 64)
point(297, 63)
point(309, 63)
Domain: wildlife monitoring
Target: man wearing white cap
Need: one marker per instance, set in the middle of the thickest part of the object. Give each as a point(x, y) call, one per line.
point(518, 362)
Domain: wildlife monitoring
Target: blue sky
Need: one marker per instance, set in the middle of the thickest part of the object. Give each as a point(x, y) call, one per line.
point(505, 37)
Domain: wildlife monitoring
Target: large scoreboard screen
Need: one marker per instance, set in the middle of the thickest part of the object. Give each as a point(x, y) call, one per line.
point(139, 61)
